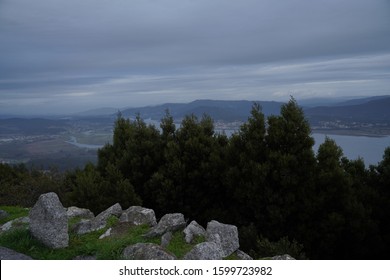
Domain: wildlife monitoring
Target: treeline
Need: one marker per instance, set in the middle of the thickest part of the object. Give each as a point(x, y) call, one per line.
point(265, 178)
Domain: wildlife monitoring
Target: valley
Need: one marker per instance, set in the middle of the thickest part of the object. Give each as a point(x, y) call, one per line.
point(69, 142)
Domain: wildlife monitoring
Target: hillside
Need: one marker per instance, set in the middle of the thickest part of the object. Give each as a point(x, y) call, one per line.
point(358, 110)
point(219, 110)
point(361, 116)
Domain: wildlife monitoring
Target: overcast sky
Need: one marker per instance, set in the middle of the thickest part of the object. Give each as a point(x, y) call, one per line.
point(70, 55)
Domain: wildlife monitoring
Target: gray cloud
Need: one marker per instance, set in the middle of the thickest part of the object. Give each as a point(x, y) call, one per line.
point(148, 51)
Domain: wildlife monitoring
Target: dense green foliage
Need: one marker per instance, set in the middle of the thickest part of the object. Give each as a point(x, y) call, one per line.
point(265, 178)
point(22, 186)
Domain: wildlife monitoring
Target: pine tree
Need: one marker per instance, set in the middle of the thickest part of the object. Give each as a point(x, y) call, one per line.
point(246, 174)
point(291, 167)
point(135, 152)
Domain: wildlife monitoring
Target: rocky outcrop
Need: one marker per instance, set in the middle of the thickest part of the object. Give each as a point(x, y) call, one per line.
point(114, 210)
point(193, 230)
point(146, 251)
point(21, 222)
point(99, 222)
point(49, 222)
point(8, 254)
point(138, 215)
point(83, 227)
point(205, 251)
point(169, 222)
point(75, 212)
point(226, 235)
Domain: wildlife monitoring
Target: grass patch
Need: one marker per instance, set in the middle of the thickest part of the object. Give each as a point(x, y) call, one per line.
point(14, 213)
point(179, 247)
point(112, 221)
point(89, 244)
point(21, 241)
point(111, 248)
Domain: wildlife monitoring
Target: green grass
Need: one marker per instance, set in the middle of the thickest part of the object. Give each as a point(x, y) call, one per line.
point(89, 244)
point(178, 245)
point(14, 213)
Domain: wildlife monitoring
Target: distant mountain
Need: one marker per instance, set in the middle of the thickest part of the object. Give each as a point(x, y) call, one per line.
point(106, 111)
point(359, 101)
point(361, 109)
point(367, 109)
point(322, 101)
point(371, 115)
point(216, 109)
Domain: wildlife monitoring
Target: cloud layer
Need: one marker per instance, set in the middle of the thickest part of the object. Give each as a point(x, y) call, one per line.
point(69, 55)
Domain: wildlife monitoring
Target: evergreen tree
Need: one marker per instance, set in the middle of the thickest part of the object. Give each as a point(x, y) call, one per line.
point(135, 152)
point(21, 186)
point(292, 164)
point(247, 170)
point(332, 187)
point(380, 182)
point(366, 241)
point(342, 219)
point(92, 191)
point(188, 181)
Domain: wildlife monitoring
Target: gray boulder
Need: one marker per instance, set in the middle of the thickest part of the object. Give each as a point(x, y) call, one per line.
point(21, 222)
point(83, 227)
point(146, 251)
point(99, 222)
point(193, 230)
point(243, 256)
point(75, 212)
point(8, 254)
point(226, 234)
point(138, 215)
point(166, 239)
point(283, 257)
point(49, 222)
point(3, 214)
point(169, 222)
point(114, 210)
point(205, 251)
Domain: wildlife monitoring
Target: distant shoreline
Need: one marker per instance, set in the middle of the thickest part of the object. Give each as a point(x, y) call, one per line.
point(348, 132)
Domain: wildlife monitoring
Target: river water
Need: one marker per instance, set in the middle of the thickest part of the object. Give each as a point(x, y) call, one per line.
point(371, 149)
point(73, 141)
